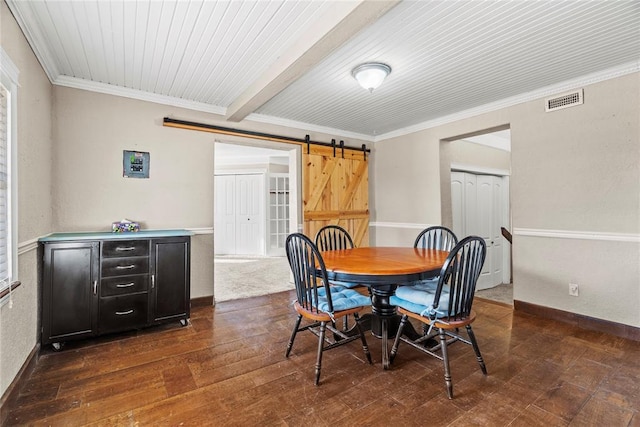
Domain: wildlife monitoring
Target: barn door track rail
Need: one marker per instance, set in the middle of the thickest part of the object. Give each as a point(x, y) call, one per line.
point(183, 124)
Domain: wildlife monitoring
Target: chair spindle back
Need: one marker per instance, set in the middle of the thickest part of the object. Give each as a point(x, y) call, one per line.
point(309, 271)
point(460, 274)
point(436, 237)
point(333, 237)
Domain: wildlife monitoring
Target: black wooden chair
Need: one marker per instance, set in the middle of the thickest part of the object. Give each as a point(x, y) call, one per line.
point(333, 237)
point(445, 308)
point(320, 303)
point(436, 237)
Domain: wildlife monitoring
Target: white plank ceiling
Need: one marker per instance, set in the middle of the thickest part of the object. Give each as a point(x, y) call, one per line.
point(290, 62)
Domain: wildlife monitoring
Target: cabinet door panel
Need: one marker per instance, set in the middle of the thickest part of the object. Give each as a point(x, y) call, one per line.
point(170, 286)
point(69, 285)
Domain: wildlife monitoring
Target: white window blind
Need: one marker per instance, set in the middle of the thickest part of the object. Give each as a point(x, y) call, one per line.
point(8, 185)
point(5, 240)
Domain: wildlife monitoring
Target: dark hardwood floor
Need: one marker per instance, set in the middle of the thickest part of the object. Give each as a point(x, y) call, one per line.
point(228, 368)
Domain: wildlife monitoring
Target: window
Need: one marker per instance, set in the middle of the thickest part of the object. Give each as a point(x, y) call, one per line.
point(8, 218)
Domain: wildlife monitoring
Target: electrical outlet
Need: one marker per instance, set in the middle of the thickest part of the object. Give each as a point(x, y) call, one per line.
point(573, 289)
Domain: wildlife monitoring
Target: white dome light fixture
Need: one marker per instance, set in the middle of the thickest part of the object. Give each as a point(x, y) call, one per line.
point(371, 74)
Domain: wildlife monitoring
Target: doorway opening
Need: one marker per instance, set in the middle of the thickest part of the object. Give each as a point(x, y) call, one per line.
point(480, 166)
point(256, 205)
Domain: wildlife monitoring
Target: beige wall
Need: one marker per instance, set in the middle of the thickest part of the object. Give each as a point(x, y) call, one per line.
point(91, 131)
point(471, 154)
point(575, 199)
point(19, 324)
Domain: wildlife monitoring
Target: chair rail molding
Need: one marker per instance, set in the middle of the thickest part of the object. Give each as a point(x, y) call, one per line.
point(409, 225)
point(201, 230)
point(581, 235)
point(27, 246)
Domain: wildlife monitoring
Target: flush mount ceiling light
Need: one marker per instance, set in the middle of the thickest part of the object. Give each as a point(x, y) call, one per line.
point(371, 75)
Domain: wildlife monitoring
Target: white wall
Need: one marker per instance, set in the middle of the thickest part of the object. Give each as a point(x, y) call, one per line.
point(576, 171)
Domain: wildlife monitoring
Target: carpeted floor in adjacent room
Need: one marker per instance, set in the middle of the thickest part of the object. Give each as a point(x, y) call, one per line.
point(238, 277)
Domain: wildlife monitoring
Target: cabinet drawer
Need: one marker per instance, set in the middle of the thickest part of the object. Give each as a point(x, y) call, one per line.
point(124, 285)
point(119, 248)
point(123, 312)
point(125, 266)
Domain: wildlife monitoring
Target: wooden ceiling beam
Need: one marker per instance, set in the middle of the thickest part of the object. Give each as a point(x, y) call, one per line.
point(341, 22)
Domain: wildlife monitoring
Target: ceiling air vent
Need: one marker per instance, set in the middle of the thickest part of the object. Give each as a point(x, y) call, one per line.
point(564, 100)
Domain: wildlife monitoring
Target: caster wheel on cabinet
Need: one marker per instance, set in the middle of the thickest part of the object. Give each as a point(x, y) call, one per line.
point(57, 346)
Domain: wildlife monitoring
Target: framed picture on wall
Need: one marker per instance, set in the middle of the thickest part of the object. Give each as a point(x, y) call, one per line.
point(135, 164)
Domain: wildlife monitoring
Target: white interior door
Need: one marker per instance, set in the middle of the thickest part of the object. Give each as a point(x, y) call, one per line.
point(250, 202)
point(477, 208)
point(239, 214)
point(489, 220)
point(457, 201)
point(225, 214)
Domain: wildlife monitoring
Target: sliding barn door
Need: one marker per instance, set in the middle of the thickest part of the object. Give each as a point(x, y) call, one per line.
point(336, 191)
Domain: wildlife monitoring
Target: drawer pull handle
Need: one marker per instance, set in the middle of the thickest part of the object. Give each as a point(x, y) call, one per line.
point(125, 267)
point(128, 248)
point(125, 285)
point(124, 313)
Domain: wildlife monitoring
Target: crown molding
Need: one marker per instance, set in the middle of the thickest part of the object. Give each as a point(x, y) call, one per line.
point(76, 83)
point(608, 74)
point(34, 37)
point(565, 86)
point(261, 118)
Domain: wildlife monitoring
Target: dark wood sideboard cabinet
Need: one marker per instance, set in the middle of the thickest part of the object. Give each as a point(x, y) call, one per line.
point(99, 283)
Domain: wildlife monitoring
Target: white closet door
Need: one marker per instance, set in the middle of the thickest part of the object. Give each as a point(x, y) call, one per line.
point(250, 191)
point(489, 220)
point(470, 206)
point(457, 201)
point(497, 242)
point(225, 215)
point(239, 214)
point(477, 207)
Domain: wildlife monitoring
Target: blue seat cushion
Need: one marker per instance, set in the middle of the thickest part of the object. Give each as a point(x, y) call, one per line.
point(433, 283)
point(344, 284)
point(418, 298)
point(342, 298)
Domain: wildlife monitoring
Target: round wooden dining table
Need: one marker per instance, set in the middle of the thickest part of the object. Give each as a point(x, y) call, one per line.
point(383, 269)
